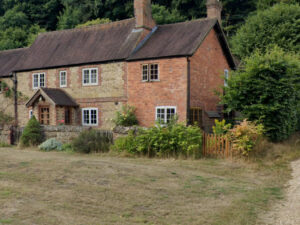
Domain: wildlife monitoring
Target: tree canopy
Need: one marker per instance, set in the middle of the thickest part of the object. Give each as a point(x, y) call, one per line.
point(22, 19)
point(267, 90)
point(277, 25)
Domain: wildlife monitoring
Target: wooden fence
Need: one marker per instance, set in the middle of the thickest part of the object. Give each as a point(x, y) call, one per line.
point(217, 146)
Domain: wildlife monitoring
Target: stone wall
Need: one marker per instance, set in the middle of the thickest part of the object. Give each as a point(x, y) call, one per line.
point(64, 134)
point(5, 134)
point(7, 103)
point(108, 96)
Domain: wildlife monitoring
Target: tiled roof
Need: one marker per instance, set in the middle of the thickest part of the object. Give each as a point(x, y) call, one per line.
point(105, 42)
point(9, 59)
point(178, 39)
point(58, 96)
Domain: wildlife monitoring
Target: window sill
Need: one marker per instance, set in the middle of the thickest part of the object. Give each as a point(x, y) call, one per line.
point(151, 81)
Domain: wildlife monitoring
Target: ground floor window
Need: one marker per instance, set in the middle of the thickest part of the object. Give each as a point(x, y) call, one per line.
point(164, 114)
point(196, 116)
point(90, 116)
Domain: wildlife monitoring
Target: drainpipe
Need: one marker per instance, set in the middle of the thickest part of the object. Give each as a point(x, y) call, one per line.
point(15, 80)
point(188, 90)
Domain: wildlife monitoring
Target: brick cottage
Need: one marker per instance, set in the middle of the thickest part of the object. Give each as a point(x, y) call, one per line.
point(83, 76)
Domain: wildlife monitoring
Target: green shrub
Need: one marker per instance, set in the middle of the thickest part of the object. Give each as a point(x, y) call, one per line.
point(50, 145)
point(221, 127)
point(245, 137)
point(67, 147)
point(92, 141)
point(267, 90)
point(127, 117)
point(173, 140)
point(32, 134)
point(4, 145)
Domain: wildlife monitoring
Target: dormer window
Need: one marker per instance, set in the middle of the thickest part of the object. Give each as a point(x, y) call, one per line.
point(150, 72)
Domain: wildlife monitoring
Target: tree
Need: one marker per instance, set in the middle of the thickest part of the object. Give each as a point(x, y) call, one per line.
point(267, 90)
point(277, 25)
point(32, 134)
point(93, 22)
point(162, 15)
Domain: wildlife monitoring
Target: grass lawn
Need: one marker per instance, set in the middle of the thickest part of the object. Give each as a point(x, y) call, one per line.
point(61, 188)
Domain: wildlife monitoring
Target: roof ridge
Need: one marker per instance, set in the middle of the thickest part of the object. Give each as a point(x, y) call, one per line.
point(13, 50)
point(188, 21)
point(91, 27)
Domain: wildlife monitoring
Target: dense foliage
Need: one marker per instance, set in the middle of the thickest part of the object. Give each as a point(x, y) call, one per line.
point(172, 140)
point(278, 25)
point(126, 117)
point(21, 21)
point(91, 141)
point(32, 134)
point(221, 127)
point(245, 136)
point(267, 90)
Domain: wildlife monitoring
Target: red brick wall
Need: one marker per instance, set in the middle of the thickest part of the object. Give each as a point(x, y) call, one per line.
point(207, 68)
point(171, 90)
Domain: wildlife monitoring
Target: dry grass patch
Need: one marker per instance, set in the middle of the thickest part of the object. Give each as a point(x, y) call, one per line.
point(59, 188)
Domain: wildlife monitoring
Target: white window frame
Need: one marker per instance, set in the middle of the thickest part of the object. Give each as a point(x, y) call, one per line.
point(30, 114)
point(226, 76)
point(39, 80)
point(149, 73)
point(89, 109)
point(90, 77)
point(165, 108)
point(66, 78)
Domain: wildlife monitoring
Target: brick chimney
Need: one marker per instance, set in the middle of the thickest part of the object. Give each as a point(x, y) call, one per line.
point(214, 9)
point(143, 15)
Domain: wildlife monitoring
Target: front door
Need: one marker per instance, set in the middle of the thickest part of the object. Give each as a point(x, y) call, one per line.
point(196, 116)
point(68, 116)
point(44, 115)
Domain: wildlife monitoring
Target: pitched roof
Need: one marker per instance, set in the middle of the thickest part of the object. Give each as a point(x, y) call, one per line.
point(9, 59)
point(180, 39)
point(57, 96)
point(105, 42)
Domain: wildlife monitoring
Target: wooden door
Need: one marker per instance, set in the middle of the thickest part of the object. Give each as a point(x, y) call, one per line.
point(196, 116)
point(44, 115)
point(68, 116)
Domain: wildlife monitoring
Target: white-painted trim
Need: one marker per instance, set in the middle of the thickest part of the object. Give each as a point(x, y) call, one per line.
point(90, 76)
point(226, 76)
point(89, 109)
point(66, 77)
point(165, 108)
point(39, 80)
point(30, 114)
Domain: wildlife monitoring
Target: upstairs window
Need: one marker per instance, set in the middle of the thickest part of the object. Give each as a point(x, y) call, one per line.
point(90, 76)
point(90, 117)
point(38, 80)
point(150, 72)
point(164, 114)
point(226, 76)
point(63, 79)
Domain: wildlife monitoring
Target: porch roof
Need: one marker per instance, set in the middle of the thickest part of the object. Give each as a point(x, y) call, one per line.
point(55, 96)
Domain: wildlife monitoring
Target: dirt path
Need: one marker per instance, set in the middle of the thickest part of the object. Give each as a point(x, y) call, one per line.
point(288, 212)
